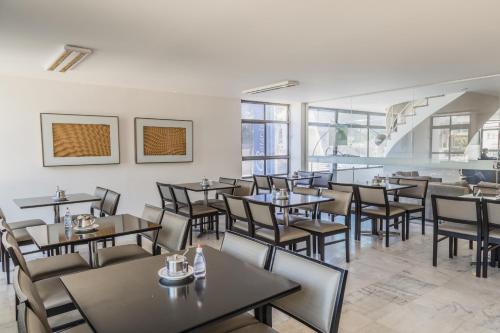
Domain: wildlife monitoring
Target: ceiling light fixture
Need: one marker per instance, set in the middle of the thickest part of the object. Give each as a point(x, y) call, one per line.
point(69, 58)
point(274, 86)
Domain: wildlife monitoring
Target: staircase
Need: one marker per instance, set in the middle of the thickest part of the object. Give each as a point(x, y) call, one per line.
point(402, 118)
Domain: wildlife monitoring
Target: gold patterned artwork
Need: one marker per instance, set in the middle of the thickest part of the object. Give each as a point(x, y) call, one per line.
point(81, 140)
point(164, 141)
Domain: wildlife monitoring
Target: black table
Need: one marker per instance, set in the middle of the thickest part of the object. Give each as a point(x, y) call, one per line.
point(128, 297)
point(293, 178)
point(212, 186)
point(52, 236)
point(47, 201)
point(293, 200)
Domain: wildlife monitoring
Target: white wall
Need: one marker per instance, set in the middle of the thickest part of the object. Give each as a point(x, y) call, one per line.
point(217, 142)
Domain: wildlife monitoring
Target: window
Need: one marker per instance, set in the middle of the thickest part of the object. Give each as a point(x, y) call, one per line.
point(489, 140)
point(264, 138)
point(450, 137)
point(343, 133)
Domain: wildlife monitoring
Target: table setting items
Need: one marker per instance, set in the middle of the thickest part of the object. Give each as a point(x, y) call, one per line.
point(82, 223)
point(205, 182)
point(177, 270)
point(60, 195)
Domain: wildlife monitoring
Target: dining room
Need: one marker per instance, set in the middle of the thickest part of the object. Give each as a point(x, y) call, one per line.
point(249, 166)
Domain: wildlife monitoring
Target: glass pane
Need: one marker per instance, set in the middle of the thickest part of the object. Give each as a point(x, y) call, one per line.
point(441, 157)
point(321, 140)
point(440, 140)
point(441, 121)
point(376, 144)
point(276, 112)
point(458, 157)
point(353, 118)
point(490, 139)
point(357, 141)
point(252, 111)
point(252, 139)
point(459, 139)
point(319, 166)
point(377, 120)
point(321, 116)
point(491, 124)
point(277, 139)
point(250, 168)
point(277, 167)
point(457, 120)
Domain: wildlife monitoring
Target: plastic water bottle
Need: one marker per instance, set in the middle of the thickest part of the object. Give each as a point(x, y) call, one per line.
point(273, 193)
point(200, 270)
point(67, 219)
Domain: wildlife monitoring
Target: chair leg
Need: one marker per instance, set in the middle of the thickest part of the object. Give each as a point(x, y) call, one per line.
point(308, 247)
point(217, 227)
point(485, 259)
point(7, 268)
point(113, 241)
point(455, 246)
point(471, 245)
point(347, 247)
point(321, 247)
point(386, 232)
point(450, 247)
point(314, 244)
point(139, 239)
point(403, 227)
point(478, 258)
point(423, 222)
point(434, 248)
point(191, 235)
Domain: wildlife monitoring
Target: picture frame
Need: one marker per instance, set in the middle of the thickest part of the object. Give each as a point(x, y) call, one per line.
point(163, 140)
point(76, 140)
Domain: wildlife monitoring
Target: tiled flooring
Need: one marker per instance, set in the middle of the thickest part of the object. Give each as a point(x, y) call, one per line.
point(393, 289)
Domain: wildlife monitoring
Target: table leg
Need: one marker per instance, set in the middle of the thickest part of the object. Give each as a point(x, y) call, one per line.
point(205, 197)
point(264, 314)
point(57, 215)
point(285, 217)
point(95, 258)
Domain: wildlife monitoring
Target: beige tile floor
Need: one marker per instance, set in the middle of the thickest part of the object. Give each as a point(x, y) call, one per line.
point(393, 289)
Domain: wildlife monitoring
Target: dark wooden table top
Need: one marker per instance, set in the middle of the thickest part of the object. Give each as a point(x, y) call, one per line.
point(196, 187)
point(294, 199)
point(49, 201)
point(128, 297)
point(292, 177)
point(391, 187)
point(480, 197)
point(54, 235)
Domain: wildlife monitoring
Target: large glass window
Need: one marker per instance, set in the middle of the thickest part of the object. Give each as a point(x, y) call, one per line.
point(450, 137)
point(264, 138)
point(490, 140)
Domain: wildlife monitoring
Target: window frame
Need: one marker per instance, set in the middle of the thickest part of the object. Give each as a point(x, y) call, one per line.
point(264, 121)
point(492, 129)
point(450, 128)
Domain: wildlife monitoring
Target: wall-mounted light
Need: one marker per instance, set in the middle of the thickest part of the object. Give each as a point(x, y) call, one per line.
point(69, 58)
point(270, 87)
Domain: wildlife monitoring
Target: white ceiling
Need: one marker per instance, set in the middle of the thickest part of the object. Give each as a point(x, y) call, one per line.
point(221, 47)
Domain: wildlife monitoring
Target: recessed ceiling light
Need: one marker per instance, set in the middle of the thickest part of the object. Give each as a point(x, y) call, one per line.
point(69, 58)
point(270, 87)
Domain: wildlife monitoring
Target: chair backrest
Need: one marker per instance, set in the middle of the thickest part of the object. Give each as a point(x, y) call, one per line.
point(10, 244)
point(342, 187)
point(110, 203)
point(491, 213)
point(418, 192)
point(318, 304)
point(306, 190)
point(165, 193)
point(280, 183)
point(341, 205)
point(322, 180)
point(235, 207)
point(456, 209)
point(229, 181)
point(262, 215)
point(261, 183)
point(304, 182)
point(152, 214)
point(27, 292)
point(372, 195)
point(246, 249)
point(101, 193)
point(244, 187)
point(173, 234)
point(28, 321)
point(181, 197)
point(393, 180)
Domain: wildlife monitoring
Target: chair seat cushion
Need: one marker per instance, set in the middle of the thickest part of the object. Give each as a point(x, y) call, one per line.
point(52, 293)
point(219, 205)
point(240, 226)
point(26, 223)
point(494, 233)
point(286, 233)
point(63, 319)
point(120, 253)
point(255, 328)
point(199, 210)
point(408, 206)
point(148, 234)
point(21, 235)
point(380, 211)
point(44, 268)
point(466, 229)
point(231, 324)
point(322, 227)
point(292, 218)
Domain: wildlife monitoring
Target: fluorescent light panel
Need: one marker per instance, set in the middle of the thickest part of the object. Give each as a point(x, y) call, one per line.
point(69, 58)
point(270, 87)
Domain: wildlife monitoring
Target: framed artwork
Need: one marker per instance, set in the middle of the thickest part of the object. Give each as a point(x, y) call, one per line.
point(69, 139)
point(163, 140)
